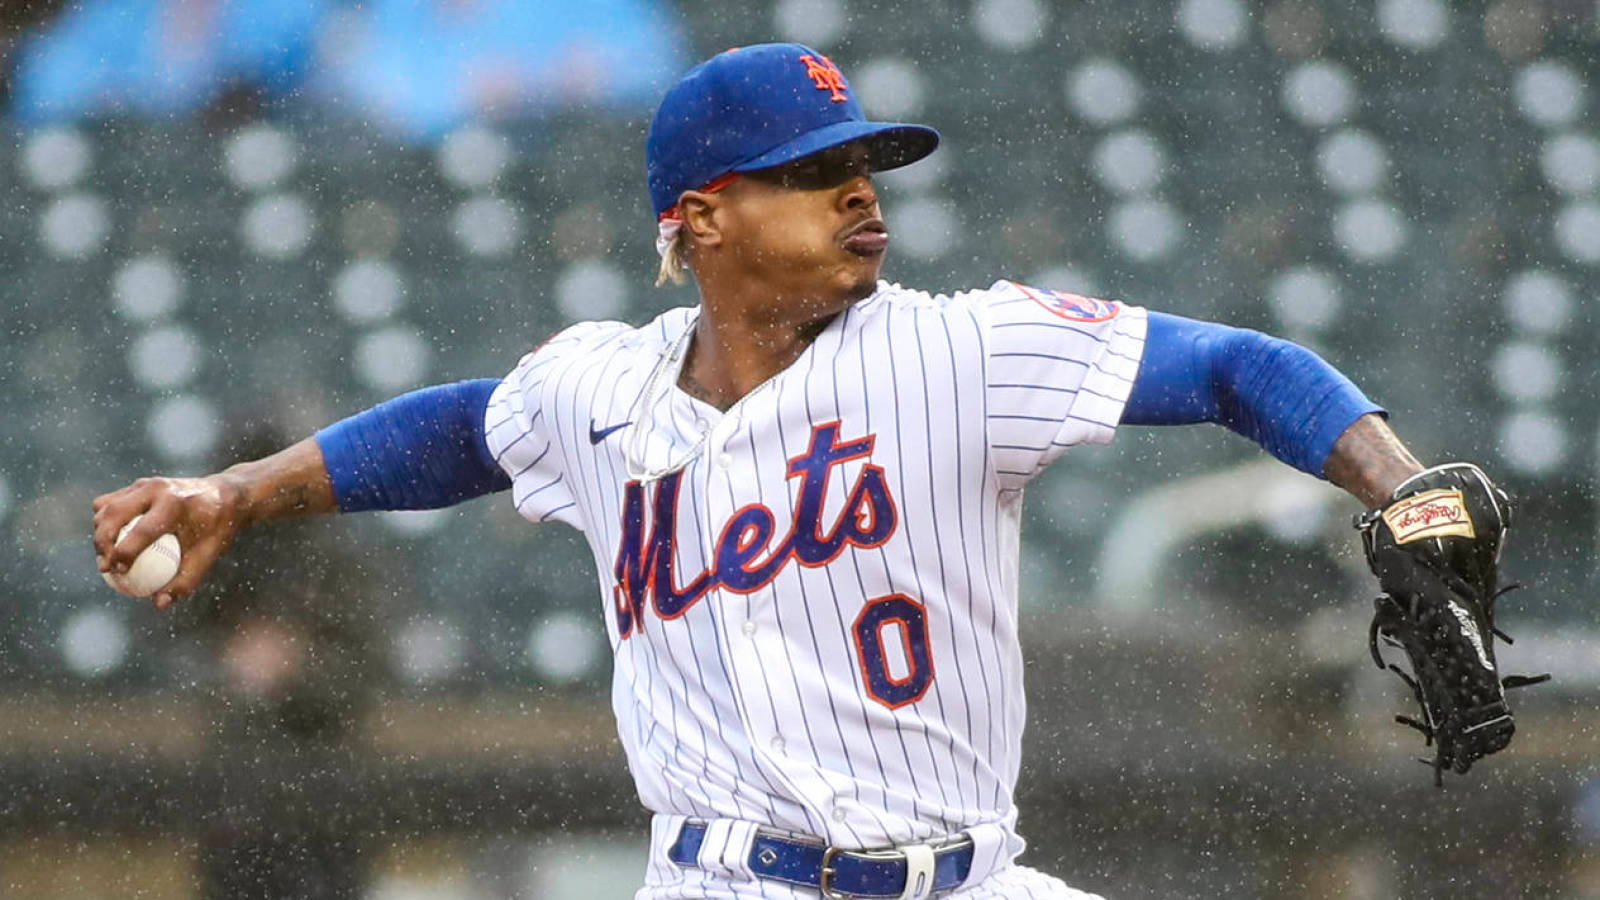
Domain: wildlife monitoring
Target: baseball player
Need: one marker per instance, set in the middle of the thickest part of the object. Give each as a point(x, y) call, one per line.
point(802, 495)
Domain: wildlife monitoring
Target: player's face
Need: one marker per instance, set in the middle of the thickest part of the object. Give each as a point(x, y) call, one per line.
point(811, 228)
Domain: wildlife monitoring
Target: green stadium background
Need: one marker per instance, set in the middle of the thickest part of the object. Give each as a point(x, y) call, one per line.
point(415, 705)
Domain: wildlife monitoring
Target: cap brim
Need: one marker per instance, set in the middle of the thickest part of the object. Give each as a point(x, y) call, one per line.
point(890, 145)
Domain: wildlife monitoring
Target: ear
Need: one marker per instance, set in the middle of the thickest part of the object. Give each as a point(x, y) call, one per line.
point(702, 217)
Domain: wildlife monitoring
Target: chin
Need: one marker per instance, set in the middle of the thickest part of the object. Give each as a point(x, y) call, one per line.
point(861, 283)
point(862, 289)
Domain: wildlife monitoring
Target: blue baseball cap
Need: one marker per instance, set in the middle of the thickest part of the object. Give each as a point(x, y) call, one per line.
point(762, 106)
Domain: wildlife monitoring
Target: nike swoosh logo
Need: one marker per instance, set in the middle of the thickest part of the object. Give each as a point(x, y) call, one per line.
point(596, 436)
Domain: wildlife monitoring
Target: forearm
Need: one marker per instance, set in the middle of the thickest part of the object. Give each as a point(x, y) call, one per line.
point(292, 482)
point(207, 513)
point(1274, 392)
point(1369, 461)
point(422, 450)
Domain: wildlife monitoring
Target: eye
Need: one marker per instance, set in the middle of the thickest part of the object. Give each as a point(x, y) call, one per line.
point(802, 174)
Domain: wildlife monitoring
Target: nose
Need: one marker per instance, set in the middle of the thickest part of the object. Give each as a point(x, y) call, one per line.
point(858, 193)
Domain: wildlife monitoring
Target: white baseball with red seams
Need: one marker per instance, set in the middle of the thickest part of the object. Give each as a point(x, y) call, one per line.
point(812, 597)
point(151, 569)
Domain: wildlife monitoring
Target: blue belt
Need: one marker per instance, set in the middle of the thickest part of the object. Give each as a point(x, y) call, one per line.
point(834, 872)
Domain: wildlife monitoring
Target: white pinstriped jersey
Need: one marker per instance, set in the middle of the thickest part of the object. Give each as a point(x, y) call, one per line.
point(814, 619)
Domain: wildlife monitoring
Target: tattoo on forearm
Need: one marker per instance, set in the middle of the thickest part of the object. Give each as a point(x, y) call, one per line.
point(1369, 461)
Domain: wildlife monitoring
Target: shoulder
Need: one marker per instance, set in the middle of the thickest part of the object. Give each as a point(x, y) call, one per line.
point(1003, 300)
point(894, 305)
point(587, 337)
point(589, 343)
point(1012, 299)
point(891, 297)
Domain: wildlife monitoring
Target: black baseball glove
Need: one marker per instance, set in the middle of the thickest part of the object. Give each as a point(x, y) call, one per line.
point(1436, 551)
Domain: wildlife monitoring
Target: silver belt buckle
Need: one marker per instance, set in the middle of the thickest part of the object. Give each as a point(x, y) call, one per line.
point(825, 878)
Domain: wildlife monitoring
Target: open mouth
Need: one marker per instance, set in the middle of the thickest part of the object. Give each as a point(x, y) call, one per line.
point(869, 238)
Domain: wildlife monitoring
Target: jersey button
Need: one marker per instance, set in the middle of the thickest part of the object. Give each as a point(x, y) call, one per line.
point(750, 629)
point(777, 745)
point(839, 815)
point(725, 460)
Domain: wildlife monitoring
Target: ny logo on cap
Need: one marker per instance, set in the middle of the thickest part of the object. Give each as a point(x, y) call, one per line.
point(825, 75)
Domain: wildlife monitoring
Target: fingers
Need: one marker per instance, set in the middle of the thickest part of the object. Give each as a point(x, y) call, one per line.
point(193, 509)
point(193, 566)
point(159, 517)
point(114, 510)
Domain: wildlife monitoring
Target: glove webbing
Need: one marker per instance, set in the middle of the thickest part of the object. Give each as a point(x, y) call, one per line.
point(1398, 628)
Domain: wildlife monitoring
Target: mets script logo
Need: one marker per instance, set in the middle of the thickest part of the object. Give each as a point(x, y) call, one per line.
point(826, 76)
point(745, 557)
point(1072, 306)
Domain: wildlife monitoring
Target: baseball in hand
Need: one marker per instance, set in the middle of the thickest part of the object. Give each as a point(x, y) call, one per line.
point(152, 569)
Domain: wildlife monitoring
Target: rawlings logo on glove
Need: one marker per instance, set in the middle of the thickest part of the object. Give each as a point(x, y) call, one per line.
point(1436, 552)
point(1429, 514)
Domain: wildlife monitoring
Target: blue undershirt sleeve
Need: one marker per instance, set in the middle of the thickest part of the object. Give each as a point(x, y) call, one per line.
point(421, 450)
point(1274, 392)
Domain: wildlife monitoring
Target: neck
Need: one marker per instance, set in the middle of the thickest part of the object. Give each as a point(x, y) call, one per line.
point(734, 352)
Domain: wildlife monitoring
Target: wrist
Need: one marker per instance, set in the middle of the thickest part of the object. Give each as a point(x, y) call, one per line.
point(291, 482)
point(1384, 480)
point(1369, 461)
point(241, 492)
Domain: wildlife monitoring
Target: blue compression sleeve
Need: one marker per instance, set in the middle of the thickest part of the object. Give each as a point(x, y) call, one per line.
point(1275, 392)
point(421, 450)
